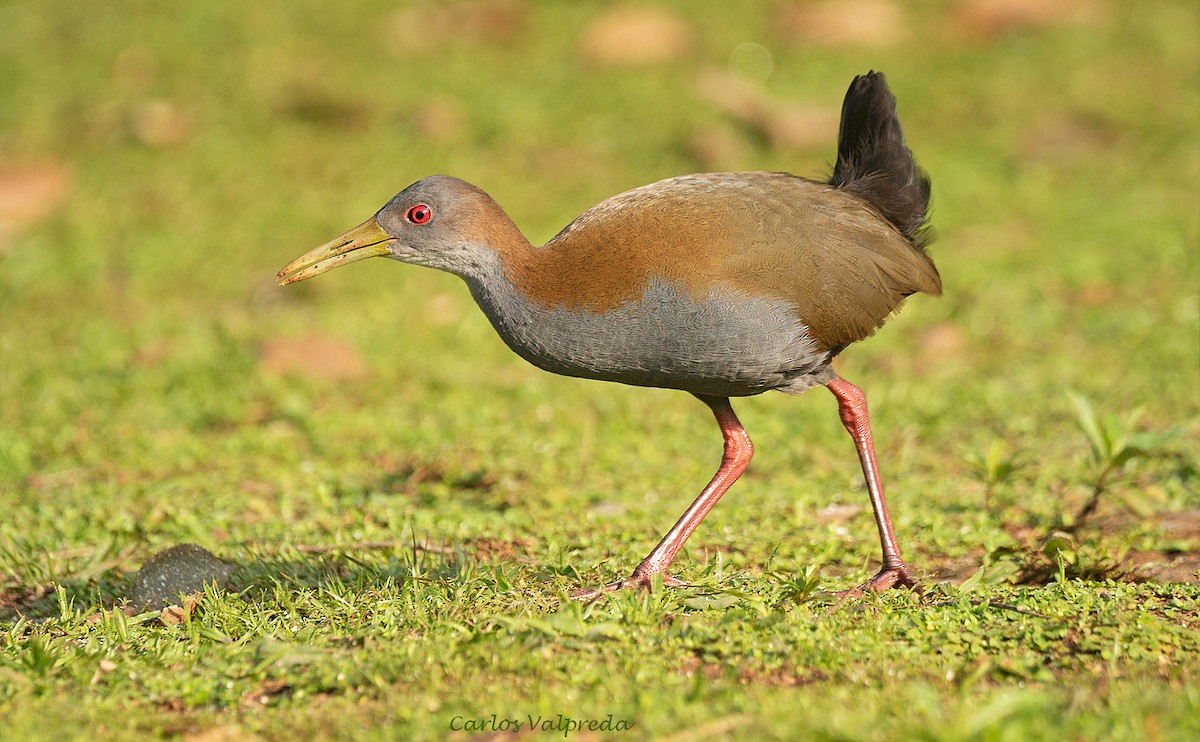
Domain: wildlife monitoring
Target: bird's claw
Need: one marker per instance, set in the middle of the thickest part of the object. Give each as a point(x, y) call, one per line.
point(896, 575)
point(635, 581)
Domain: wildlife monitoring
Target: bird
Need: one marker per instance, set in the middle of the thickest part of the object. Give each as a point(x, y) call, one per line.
point(722, 285)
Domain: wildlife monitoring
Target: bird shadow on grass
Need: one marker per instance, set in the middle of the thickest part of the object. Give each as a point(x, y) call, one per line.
point(172, 581)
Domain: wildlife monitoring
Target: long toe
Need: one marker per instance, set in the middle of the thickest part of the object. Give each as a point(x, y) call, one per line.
point(635, 581)
point(888, 577)
point(896, 576)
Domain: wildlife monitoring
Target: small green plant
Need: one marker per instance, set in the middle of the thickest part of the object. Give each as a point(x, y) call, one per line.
point(994, 467)
point(1114, 444)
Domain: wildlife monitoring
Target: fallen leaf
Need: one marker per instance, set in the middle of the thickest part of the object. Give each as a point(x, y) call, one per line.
point(801, 127)
point(443, 310)
point(31, 192)
point(135, 68)
point(733, 95)
point(315, 356)
point(1097, 293)
point(174, 615)
point(105, 667)
point(223, 733)
point(315, 106)
point(632, 36)
point(941, 341)
point(990, 18)
point(1066, 138)
point(837, 512)
point(265, 691)
point(867, 23)
point(440, 119)
point(430, 26)
point(786, 127)
point(159, 124)
point(718, 149)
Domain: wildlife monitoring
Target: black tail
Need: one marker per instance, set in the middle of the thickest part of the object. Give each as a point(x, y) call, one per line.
point(875, 164)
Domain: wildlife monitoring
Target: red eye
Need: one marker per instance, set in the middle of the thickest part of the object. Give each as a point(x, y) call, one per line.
point(419, 214)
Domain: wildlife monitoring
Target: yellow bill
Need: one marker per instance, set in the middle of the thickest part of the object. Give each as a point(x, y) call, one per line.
point(367, 240)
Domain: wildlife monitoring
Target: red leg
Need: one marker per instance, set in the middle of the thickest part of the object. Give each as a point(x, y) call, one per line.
point(738, 450)
point(852, 406)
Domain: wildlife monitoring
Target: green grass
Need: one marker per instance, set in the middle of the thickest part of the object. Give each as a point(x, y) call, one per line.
point(404, 538)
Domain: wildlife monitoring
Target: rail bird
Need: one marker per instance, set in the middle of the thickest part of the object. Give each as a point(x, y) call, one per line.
point(718, 284)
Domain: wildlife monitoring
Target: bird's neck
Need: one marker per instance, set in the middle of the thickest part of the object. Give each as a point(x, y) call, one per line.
point(490, 246)
point(496, 257)
point(520, 322)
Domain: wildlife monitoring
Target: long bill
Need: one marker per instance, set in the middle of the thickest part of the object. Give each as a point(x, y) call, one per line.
point(367, 240)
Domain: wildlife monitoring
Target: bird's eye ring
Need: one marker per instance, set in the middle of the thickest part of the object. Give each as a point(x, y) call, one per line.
point(419, 214)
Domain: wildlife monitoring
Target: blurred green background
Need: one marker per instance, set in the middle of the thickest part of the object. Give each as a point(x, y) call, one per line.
point(159, 162)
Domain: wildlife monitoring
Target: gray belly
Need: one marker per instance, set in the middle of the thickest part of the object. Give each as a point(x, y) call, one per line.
point(725, 345)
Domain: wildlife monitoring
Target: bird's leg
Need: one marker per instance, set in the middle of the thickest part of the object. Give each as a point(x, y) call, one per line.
point(852, 406)
point(738, 451)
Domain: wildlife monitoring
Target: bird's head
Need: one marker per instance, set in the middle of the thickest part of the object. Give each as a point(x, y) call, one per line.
point(439, 221)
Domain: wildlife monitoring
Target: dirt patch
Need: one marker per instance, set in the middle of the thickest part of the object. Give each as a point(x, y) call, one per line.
point(405, 476)
point(498, 550)
point(314, 356)
point(1161, 566)
point(783, 677)
point(19, 599)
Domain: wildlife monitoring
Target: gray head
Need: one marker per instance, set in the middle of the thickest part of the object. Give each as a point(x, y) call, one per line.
point(441, 222)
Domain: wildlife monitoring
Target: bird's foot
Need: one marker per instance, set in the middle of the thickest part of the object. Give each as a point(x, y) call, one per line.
point(635, 581)
point(896, 575)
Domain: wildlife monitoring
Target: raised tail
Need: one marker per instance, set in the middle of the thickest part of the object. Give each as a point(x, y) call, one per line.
point(874, 163)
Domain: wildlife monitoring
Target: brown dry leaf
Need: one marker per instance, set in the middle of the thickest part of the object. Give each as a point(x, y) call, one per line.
point(838, 512)
point(30, 192)
point(252, 487)
point(152, 354)
point(554, 160)
point(106, 666)
point(174, 615)
point(802, 127)
point(1097, 293)
point(15, 598)
point(734, 96)
point(869, 23)
point(489, 549)
point(223, 733)
point(443, 310)
point(440, 119)
point(718, 728)
point(1067, 138)
point(135, 68)
point(718, 149)
point(315, 106)
point(315, 356)
point(429, 26)
point(785, 127)
point(159, 124)
point(941, 341)
point(989, 18)
point(1166, 566)
point(635, 36)
point(265, 691)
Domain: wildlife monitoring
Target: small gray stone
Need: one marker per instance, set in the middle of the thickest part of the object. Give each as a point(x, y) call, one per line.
point(180, 570)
